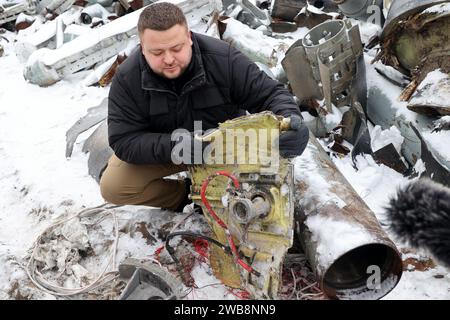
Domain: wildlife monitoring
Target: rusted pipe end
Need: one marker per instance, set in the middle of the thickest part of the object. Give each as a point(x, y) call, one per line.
point(367, 272)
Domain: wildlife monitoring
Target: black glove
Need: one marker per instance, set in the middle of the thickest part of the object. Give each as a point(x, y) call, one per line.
point(293, 142)
point(188, 150)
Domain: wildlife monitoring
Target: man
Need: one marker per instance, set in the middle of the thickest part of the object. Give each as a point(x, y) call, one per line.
point(174, 78)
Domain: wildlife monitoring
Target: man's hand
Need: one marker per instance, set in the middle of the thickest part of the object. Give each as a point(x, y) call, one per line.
point(293, 142)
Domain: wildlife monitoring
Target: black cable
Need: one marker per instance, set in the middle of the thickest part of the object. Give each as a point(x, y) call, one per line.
point(171, 250)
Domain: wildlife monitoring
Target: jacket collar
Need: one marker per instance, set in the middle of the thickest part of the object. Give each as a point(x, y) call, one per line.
point(152, 82)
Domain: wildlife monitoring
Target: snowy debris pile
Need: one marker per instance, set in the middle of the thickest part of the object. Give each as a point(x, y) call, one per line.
point(415, 42)
point(413, 56)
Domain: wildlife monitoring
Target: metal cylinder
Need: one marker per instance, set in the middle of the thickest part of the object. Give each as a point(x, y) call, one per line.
point(358, 9)
point(245, 210)
point(324, 41)
point(352, 256)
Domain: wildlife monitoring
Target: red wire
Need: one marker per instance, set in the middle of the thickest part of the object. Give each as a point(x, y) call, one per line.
point(219, 221)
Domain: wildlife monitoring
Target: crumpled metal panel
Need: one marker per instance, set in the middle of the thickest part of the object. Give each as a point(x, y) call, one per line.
point(11, 13)
point(99, 151)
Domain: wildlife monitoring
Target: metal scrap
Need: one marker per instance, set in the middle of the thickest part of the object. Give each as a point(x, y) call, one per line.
point(319, 68)
point(11, 12)
point(247, 13)
point(287, 10)
point(415, 42)
point(99, 151)
point(310, 16)
point(366, 10)
point(147, 281)
point(45, 66)
point(94, 116)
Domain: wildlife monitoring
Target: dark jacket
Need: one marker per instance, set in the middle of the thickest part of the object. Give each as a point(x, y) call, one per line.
point(145, 108)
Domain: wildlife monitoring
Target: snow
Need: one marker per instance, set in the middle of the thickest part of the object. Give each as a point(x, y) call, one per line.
point(381, 138)
point(439, 141)
point(326, 230)
point(433, 90)
point(439, 8)
point(38, 184)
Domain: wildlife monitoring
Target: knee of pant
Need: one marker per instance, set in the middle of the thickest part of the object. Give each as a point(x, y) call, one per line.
point(111, 192)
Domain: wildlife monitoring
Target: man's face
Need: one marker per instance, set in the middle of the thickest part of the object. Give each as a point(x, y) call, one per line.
point(168, 52)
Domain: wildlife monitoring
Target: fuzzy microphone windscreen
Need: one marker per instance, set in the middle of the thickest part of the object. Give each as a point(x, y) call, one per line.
point(420, 215)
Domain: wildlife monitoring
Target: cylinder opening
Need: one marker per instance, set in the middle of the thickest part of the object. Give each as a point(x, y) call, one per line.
point(367, 272)
point(323, 32)
point(242, 210)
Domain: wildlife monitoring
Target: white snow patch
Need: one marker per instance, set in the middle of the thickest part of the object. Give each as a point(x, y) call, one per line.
point(439, 141)
point(381, 138)
point(439, 8)
point(433, 90)
point(326, 230)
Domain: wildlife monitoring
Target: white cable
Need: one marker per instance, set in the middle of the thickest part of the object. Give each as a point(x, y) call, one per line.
point(103, 278)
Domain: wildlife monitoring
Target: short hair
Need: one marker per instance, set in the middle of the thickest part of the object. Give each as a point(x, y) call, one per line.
point(161, 16)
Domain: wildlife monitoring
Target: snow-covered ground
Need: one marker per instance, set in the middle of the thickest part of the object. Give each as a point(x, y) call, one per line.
point(38, 185)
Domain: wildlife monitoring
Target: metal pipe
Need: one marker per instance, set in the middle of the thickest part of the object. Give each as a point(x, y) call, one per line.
point(352, 256)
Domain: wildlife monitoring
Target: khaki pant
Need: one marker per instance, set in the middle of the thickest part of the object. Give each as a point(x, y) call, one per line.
point(125, 183)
